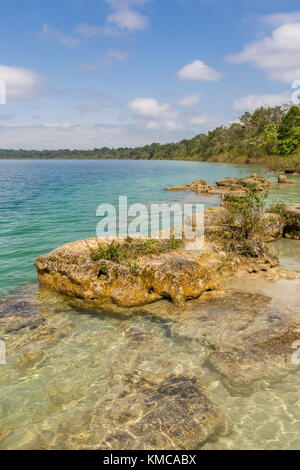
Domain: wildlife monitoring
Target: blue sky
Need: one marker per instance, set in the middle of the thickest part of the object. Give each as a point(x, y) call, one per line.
point(93, 73)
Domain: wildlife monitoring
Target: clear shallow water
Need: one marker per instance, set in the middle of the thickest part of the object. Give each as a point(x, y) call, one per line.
point(288, 252)
point(66, 367)
point(64, 382)
point(44, 204)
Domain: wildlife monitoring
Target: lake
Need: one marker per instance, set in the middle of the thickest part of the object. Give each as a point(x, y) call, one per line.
point(65, 383)
point(44, 204)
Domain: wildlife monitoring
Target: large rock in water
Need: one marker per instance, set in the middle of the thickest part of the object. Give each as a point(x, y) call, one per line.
point(71, 271)
point(164, 414)
point(282, 179)
point(226, 185)
point(240, 184)
point(293, 232)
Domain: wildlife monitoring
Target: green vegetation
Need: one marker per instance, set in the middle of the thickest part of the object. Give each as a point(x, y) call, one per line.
point(132, 249)
point(270, 136)
point(247, 226)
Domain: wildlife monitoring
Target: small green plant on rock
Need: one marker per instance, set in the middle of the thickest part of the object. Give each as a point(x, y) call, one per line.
point(132, 249)
point(247, 225)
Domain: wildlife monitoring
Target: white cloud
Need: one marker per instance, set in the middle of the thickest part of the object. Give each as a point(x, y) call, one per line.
point(128, 19)
point(125, 18)
point(201, 120)
point(149, 108)
point(252, 102)
point(189, 100)
point(168, 124)
point(199, 71)
point(278, 55)
point(58, 36)
point(21, 83)
point(278, 19)
point(158, 115)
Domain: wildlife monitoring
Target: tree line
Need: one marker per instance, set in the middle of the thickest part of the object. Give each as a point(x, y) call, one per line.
point(272, 131)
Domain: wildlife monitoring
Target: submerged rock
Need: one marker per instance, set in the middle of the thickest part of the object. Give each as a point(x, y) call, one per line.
point(171, 413)
point(264, 355)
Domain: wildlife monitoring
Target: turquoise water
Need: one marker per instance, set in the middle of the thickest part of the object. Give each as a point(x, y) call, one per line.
point(44, 204)
point(64, 385)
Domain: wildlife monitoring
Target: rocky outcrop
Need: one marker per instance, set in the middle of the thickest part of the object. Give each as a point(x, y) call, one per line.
point(273, 226)
point(282, 179)
point(179, 274)
point(292, 228)
point(226, 185)
point(71, 271)
point(240, 184)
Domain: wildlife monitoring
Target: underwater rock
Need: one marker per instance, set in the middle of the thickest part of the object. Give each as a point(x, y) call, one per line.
point(172, 413)
point(16, 315)
point(262, 356)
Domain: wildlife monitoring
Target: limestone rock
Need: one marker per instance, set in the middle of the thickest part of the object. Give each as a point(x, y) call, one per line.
point(226, 185)
point(71, 271)
point(282, 179)
point(170, 413)
point(265, 354)
point(273, 225)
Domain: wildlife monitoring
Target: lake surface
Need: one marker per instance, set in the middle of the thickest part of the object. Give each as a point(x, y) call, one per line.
point(65, 370)
point(44, 204)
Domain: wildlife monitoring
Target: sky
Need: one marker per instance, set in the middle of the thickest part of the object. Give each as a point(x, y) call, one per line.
point(120, 73)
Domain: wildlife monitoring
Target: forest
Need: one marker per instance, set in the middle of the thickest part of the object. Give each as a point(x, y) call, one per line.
point(268, 135)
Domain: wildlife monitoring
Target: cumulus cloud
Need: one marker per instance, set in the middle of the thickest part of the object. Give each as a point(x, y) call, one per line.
point(58, 36)
point(168, 124)
point(156, 114)
point(278, 55)
point(201, 120)
point(199, 71)
point(125, 18)
point(150, 108)
point(21, 83)
point(189, 100)
point(278, 19)
point(128, 19)
point(252, 102)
